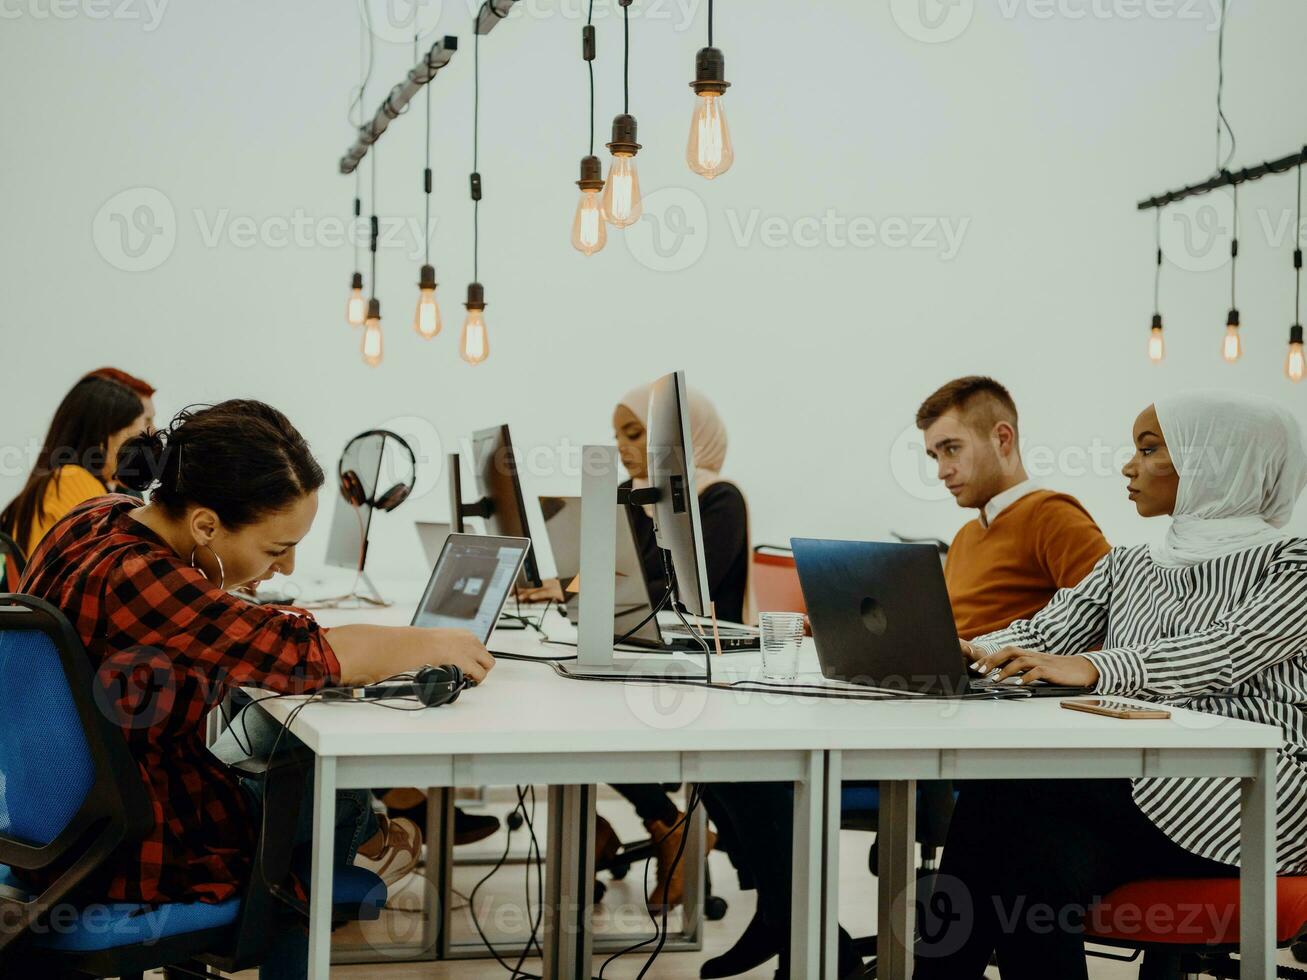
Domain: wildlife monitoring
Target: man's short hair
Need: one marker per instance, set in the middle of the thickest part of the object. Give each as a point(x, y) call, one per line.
point(982, 402)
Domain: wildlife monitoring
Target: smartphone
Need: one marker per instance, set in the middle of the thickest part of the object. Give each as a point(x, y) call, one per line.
point(1113, 708)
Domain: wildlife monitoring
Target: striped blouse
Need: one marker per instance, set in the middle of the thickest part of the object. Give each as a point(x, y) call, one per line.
point(1226, 637)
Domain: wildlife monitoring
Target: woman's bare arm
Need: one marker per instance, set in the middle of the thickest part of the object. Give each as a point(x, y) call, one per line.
point(368, 654)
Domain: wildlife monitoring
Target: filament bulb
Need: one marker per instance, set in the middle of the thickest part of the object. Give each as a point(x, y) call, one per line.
point(356, 306)
point(372, 342)
point(709, 152)
point(426, 319)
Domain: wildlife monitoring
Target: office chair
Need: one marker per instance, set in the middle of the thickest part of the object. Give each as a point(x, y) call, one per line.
point(73, 797)
point(774, 580)
point(1190, 945)
point(12, 563)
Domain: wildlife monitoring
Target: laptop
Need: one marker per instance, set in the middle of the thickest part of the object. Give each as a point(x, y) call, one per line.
point(433, 535)
point(631, 597)
point(881, 617)
point(471, 582)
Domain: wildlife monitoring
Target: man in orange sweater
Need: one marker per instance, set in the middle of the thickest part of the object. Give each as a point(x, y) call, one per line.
point(1026, 542)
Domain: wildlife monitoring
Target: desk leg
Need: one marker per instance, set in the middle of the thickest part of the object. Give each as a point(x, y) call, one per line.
point(437, 918)
point(830, 900)
point(569, 883)
point(1257, 860)
point(807, 889)
point(896, 843)
point(695, 862)
point(324, 839)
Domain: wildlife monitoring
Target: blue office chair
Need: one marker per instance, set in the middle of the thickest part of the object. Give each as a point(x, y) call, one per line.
point(71, 796)
point(860, 810)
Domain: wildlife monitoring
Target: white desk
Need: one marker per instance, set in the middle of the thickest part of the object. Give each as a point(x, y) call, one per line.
point(528, 725)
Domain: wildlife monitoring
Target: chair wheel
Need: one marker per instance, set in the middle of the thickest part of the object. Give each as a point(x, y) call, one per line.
point(600, 890)
point(714, 908)
point(619, 871)
point(1299, 951)
point(515, 820)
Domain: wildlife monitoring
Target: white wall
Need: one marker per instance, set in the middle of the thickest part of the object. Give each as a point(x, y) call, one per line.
point(1035, 130)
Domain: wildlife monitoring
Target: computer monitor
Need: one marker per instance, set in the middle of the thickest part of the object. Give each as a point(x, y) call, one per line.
point(501, 505)
point(677, 525)
point(347, 545)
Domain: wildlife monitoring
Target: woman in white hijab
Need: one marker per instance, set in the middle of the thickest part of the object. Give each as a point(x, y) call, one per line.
point(1214, 619)
point(724, 519)
point(722, 508)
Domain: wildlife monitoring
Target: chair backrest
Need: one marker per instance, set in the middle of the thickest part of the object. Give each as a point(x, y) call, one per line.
point(12, 563)
point(775, 580)
point(70, 793)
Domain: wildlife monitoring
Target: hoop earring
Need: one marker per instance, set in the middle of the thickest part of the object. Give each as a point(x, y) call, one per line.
point(222, 572)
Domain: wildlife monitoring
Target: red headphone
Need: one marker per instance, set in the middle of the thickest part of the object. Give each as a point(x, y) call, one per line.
point(351, 487)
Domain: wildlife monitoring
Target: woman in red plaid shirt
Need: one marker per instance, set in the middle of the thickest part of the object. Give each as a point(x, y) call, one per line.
point(234, 490)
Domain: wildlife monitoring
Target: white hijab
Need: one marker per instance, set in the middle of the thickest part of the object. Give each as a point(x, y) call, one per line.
point(1242, 466)
point(707, 433)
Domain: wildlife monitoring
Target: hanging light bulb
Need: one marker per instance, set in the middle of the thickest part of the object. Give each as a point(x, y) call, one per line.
point(622, 205)
point(709, 152)
point(474, 345)
point(589, 231)
point(426, 320)
point(372, 334)
point(1294, 362)
point(1156, 342)
point(356, 306)
point(1232, 343)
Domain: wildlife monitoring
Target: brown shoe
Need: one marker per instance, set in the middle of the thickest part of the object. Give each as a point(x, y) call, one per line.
point(394, 851)
point(607, 843)
point(670, 890)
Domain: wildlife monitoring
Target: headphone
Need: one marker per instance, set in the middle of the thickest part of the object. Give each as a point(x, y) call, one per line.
point(351, 487)
point(433, 686)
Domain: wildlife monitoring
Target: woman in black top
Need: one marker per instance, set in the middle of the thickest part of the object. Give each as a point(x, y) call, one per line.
point(724, 515)
point(725, 523)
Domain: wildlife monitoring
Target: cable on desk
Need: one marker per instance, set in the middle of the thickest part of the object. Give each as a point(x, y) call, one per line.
point(528, 658)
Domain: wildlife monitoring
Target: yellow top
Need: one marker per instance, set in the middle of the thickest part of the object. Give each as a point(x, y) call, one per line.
point(70, 486)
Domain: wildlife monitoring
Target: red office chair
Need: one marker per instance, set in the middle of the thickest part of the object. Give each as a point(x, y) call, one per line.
point(775, 580)
point(1158, 918)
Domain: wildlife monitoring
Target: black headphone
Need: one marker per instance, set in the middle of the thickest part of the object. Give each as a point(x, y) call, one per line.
point(433, 686)
point(351, 487)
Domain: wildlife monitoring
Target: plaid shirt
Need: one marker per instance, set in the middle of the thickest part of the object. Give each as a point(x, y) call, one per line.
point(167, 646)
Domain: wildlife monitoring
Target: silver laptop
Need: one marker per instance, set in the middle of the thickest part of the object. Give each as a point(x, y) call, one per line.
point(470, 583)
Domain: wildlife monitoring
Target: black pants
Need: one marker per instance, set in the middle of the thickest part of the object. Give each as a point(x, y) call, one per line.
point(1024, 862)
point(651, 801)
point(761, 818)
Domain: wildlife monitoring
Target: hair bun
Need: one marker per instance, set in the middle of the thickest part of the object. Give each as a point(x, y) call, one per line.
point(141, 461)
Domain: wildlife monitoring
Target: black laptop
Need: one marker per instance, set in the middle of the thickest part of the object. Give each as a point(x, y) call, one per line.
point(881, 617)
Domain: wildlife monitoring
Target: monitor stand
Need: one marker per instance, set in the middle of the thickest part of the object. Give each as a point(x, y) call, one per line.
point(600, 468)
point(364, 596)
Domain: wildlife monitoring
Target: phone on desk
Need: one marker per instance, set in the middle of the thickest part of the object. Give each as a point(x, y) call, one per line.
point(1113, 708)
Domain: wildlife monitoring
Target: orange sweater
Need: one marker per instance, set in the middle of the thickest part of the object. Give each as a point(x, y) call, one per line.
point(1043, 542)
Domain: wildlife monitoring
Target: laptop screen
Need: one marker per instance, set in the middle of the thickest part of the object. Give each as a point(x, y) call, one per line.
point(471, 582)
